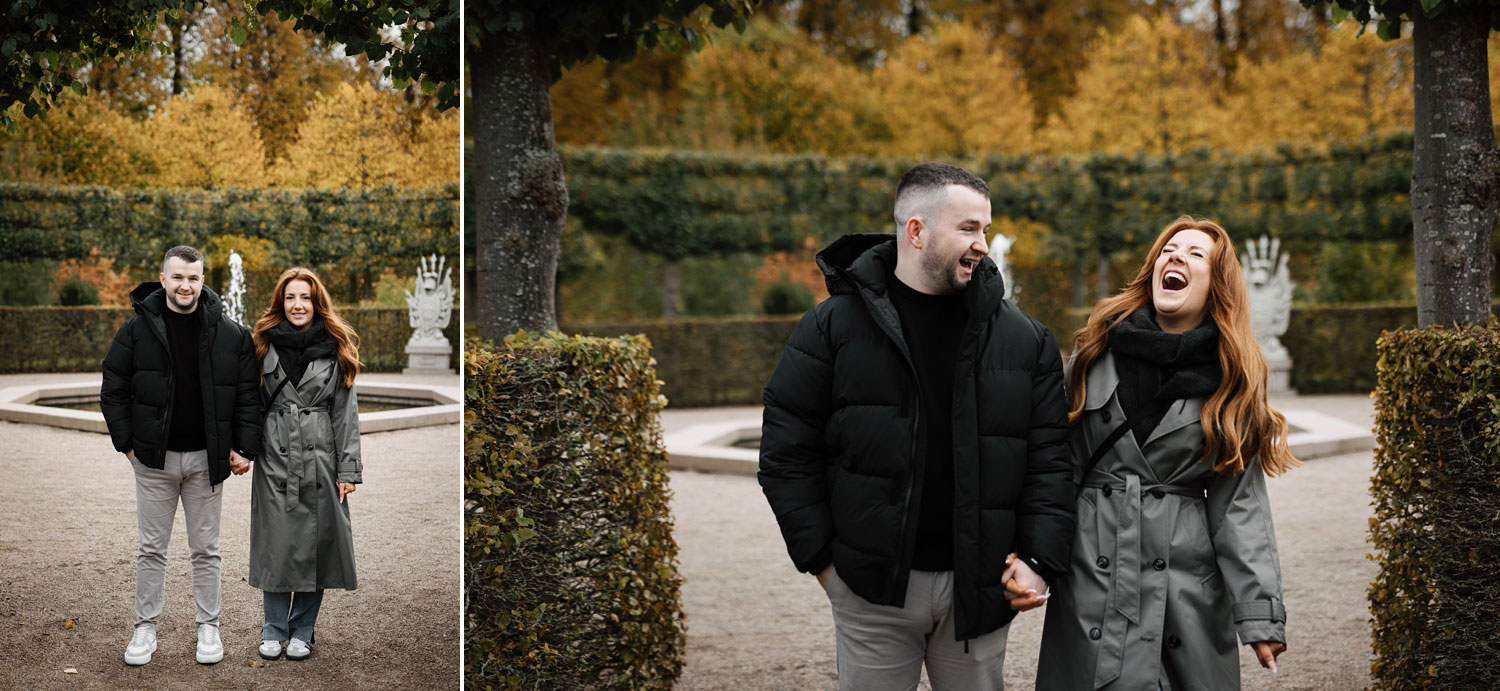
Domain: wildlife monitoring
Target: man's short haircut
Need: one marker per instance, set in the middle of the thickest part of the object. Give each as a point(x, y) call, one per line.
point(182, 252)
point(922, 188)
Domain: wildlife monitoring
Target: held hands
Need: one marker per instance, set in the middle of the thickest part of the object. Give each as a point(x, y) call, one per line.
point(825, 575)
point(1023, 587)
point(345, 489)
point(1266, 652)
point(238, 464)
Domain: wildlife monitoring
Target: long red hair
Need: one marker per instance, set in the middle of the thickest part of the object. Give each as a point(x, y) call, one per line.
point(1238, 420)
point(342, 333)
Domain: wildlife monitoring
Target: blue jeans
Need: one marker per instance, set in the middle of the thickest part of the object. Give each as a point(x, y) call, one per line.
point(290, 615)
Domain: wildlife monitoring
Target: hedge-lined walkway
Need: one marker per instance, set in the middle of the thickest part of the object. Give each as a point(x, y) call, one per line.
point(68, 552)
point(755, 623)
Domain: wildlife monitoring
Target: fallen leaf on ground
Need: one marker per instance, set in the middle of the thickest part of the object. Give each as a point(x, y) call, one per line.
point(68, 624)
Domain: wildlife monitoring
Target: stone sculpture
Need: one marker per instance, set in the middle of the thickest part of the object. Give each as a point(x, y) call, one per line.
point(999, 247)
point(430, 307)
point(1270, 291)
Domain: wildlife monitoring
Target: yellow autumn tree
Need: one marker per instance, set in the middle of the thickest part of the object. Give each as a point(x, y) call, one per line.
point(1151, 86)
point(204, 138)
point(1350, 88)
point(435, 151)
point(81, 141)
point(953, 92)
point(356, 137)
point(780, 93)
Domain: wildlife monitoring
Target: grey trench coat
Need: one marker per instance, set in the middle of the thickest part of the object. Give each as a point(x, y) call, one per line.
point(1170, 560)
point(300, 536)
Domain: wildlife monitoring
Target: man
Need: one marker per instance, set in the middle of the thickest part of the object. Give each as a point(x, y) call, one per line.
point(914, 447)
point(181, 401)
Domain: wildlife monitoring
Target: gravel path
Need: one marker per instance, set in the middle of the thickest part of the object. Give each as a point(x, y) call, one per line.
point(68, 552)
point(755, 623)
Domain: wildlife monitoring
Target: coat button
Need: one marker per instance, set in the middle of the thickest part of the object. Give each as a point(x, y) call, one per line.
point(320, 485)
point(1108, 490)
point(1095, 633)
point(1159, 564)
point(1158, 493)
point(1103, 562)
point(1106, 416)
point(1174, 641)
point(283, 449)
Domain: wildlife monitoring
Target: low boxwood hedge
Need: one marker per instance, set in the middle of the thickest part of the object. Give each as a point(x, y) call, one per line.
point(1435, 604)
point(75, 339)
point(570, 566)
point(726, 361)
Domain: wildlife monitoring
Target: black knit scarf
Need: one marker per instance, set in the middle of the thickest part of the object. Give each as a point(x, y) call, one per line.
point(297, 348)
point(1155, 365)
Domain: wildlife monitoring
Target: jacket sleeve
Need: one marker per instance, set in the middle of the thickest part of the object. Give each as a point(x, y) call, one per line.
point(1239, 522)
point(115, 394)
point(1046, 515)
point(345, 419)
point(794, 458)
point(249, 417)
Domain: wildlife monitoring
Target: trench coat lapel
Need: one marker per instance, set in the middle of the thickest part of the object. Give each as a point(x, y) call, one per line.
point(316, 371)
point(1182, 413)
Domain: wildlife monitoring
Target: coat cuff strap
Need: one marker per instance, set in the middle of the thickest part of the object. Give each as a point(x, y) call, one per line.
point(1259, 609)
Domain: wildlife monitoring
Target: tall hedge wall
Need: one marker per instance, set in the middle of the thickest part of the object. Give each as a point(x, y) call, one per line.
point(570, 565)
point(695, 203)
point(308, 227)
point(706, 362)
point(75, 339)
point(1435, 604)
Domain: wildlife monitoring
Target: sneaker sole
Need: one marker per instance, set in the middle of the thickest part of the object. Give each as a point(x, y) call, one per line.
point(210, 659)
point(264, 656)
point(298, 659)
point(138, 661)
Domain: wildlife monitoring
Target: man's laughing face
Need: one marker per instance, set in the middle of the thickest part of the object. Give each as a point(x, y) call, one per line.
point(956, 242)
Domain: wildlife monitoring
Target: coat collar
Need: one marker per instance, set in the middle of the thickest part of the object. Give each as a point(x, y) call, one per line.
point(315, 369)
point(1102, 381)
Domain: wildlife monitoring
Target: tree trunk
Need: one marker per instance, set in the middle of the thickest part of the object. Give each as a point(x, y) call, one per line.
point(1453, 169)
point(671, 288)
point(1103, 275)
point(520, 196)
point(177, 56)
point(1080, 281)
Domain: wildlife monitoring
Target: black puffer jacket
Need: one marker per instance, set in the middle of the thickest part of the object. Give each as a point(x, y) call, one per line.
point(137, 393)
point(841, 460)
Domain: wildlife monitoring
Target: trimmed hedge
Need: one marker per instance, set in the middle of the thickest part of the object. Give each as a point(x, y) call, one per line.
point(570, 566)
point(75, 339)
point(1436, 530)
point(708, 362)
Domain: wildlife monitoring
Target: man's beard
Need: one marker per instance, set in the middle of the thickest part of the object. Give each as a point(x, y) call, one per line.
point(944, 274)
point(176, 302)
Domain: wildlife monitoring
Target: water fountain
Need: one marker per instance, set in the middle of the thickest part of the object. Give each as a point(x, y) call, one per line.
point(234, 298)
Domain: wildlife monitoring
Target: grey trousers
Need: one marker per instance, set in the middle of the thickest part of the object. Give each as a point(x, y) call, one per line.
point(184, 477)
point(882, 647)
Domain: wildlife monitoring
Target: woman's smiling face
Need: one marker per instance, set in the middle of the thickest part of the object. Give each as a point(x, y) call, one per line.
point(1180, 281)
point(297, 304)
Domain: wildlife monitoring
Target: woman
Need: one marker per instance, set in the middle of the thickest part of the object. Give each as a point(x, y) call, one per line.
point(1175, 553)
point(300, 539)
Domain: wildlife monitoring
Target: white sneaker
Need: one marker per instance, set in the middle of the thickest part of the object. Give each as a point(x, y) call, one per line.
point(210, 649)
point(297, 650)
point(270, 650)
point(142, 645)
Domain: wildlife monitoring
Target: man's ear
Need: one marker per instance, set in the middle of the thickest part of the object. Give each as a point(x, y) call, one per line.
point(913, 232)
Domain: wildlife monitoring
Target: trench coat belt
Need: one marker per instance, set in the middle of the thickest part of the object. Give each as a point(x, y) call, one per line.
point(1125, 595)
point(295, 444)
